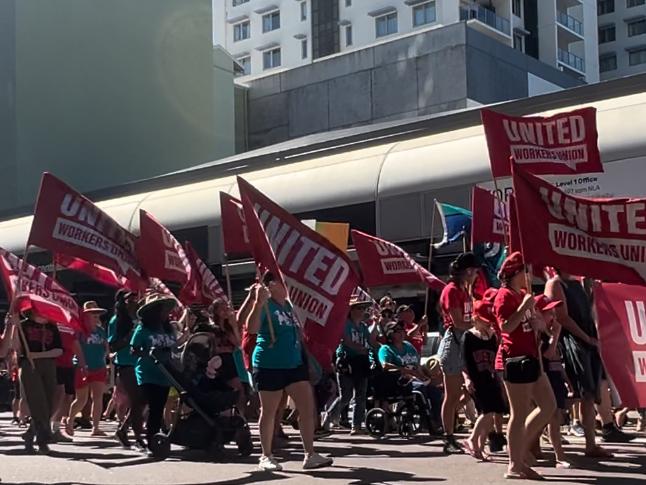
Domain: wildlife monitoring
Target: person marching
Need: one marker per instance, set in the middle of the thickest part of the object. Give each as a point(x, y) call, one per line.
point(279, 365)
point(518, 357)
point(456, 304)
point(90, 378)
point(352, 376)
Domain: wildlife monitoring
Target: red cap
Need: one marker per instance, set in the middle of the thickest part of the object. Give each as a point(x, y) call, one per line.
point(543, 303)
point(512, 265)
point(483, 310)
point(490, 294)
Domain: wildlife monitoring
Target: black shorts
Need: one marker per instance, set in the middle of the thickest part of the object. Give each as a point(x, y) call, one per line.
point(65, 377)
point(279, 379)
point(488, 397)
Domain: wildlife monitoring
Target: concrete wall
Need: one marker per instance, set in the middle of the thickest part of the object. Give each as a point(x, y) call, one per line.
point(109, 92)
point(427, 73)
point(7, 101)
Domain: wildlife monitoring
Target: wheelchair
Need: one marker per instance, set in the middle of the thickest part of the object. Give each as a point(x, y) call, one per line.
point(394, 406)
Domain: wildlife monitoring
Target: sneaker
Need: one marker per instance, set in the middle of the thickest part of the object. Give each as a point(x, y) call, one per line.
point(58, 437)
point(612, 434)
point(577, 430)
point(452, 447)
point(641, 424)
point(140, 446)
point(122, 437)
point(269, 464)
point(356, 431)
point(316, 461)
point(43, 449)
point(322, 433)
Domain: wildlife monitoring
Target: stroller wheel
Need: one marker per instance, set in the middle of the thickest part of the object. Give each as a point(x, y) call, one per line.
point(160, 446)
point(376, 422)
point(243, 441)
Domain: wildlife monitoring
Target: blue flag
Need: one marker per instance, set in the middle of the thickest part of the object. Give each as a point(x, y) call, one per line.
point(456, 222)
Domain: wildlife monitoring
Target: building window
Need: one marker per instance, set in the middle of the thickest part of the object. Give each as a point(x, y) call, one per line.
point(271, 21)
point(245, 62)
point(304, 48)
point(348, 3)
point(605, 6)
point(271, 58)
point(608, 63)
point(241, 31)
point(637, 57)
point(386, 24)
point(348, 35)
point(303, 11)
point(518, 42)
point(637, 28)
point(607, 33)
point(424, 14)
point(635, 3)
point(239, 2)
point(516, 8)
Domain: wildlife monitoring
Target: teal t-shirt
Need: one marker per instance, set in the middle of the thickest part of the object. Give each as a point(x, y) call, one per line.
point(145, 369)
point(358, 334)
point(286, 352)
point(94, 349)
point(124, 356)
point(407, 357)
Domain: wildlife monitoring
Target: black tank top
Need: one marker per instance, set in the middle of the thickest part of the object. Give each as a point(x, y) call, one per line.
point(579, 306)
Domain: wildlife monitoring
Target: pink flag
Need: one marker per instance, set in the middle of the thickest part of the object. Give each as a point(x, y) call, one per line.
point(203, 287)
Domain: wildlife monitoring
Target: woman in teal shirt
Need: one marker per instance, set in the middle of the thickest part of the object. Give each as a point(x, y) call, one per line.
point(154, 331)
point(90, 378)
point(279, 366)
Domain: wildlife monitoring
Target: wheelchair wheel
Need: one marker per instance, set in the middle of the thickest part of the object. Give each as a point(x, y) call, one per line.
point(376, 422)
point(160, 446)
point(243, 441)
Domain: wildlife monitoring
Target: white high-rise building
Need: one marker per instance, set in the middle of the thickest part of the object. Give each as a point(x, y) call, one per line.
point(622, 37)
point(266, 35)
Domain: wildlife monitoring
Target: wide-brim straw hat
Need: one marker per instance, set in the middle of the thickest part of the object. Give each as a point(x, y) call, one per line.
point(153, 300)
point(93, 307)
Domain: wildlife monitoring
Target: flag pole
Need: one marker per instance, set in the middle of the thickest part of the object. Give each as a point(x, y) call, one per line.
point(430, 255)
point(227, 277)
point(12, 309)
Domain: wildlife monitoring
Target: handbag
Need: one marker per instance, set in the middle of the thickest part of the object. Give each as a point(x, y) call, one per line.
point(524, 369)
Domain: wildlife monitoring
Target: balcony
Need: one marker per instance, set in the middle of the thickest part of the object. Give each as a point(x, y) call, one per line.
point(571, 60)
point(570, 22)
point(485, 16)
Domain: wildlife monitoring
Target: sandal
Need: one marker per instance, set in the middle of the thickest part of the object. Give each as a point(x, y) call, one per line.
point(98, 432)
point(477, 454)
point(564, 465)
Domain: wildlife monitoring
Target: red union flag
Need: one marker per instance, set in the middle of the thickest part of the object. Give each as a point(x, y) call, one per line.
point(320, 278)
point(514, 229)
point(621, 311)
point(490, 217)
point(95, 271)
point(203, 287)
point(565, 143)
point(159, 253)
point(38, 292)
point(598, 238)
point(234, 228)
point(384, 263)
point(68, 223)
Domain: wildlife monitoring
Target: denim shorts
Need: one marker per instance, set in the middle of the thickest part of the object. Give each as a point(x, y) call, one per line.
point(450, 352)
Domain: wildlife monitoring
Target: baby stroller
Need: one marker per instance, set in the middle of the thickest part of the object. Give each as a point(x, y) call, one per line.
point(212, 421)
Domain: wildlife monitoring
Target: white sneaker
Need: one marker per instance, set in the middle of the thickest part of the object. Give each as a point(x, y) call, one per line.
point(316, 461)
point(269, 464)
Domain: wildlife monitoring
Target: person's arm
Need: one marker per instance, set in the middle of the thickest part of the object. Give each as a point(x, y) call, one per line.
point(512, 322)
point(261, 295)
point(346, 340)
point(8, 337)
point(551, 352)
point(78, 351)
point(57, 346)
point(233, 332)
point(554, 291)
point(245, 310)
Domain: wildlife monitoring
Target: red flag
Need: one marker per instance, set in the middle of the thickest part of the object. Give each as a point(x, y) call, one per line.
point(320, 278)
point(384, 263)
point(621, 311)
point(155, 285)
point(565, 143)
point(514, 229)
point(490, 217)
point(38, 292)
point(203, 287)
point(95, 271)
point(234, 228)
point(598, 238)
point(68, 223)
point(159, 253)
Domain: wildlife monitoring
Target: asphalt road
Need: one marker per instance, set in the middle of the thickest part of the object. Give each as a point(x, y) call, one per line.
point(358, 460)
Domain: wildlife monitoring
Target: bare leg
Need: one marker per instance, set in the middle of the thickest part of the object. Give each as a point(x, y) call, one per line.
point(269, 401)
point(452, 395)
point(77, 405)
point(97, 388)
point(301, 394)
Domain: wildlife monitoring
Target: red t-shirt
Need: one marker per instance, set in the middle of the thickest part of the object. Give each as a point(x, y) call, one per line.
point(68, 337)
point(416, 340)
point(454, 297)
point(522, 341)
point(248, 344)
